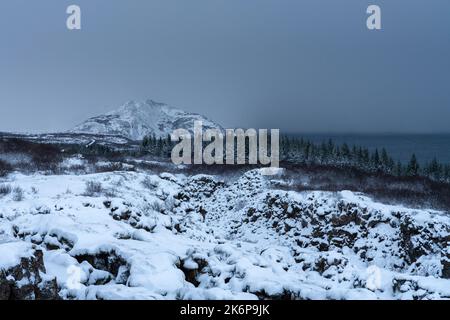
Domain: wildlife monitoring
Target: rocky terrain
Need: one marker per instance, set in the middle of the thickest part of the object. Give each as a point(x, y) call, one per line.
point(147, 235)
point(77, 222)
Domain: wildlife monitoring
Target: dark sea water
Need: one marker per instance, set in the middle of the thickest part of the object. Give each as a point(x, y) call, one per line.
point(399, 146)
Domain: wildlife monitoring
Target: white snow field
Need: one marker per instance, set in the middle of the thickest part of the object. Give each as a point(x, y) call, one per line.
point(136, 235)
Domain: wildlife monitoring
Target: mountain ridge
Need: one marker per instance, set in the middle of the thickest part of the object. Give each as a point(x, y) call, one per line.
point(137, 119)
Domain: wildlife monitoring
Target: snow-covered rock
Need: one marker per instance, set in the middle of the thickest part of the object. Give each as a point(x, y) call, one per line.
point(22, 273)
point(134, 120)
point(173, 236)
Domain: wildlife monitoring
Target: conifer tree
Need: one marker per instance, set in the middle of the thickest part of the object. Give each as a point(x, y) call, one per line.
point(345, 151)
point(376, 160)
point(413, 167)
point(398, 169)
point(434, 170)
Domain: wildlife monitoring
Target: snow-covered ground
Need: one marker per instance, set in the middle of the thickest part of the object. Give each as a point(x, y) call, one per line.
point(137, 235)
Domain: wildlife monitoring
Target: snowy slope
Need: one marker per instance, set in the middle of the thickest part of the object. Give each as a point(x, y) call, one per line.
point(134, 120)
point(162, 236)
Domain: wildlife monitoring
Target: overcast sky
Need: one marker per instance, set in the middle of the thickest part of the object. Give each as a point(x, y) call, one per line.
point(302, 66)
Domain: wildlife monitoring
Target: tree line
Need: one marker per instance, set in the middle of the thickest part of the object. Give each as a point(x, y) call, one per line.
point(299, 150)
point(302, 151)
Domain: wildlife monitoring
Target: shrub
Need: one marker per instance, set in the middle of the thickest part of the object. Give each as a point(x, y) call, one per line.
point(93, 188)
point(5, 189)
point(46, 156)
point(18, 194)
point(110, 167)
point(79, 168)
point(169, 203)
point(110, 193)
point(43, 156)
point(156, 206)
point(5, 168)
point(150, 184)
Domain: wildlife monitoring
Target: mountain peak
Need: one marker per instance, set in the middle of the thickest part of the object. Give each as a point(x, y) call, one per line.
point(149, 103)
point(136, 119)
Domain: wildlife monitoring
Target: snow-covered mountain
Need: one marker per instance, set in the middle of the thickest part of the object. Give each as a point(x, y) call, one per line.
point(134, 120)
